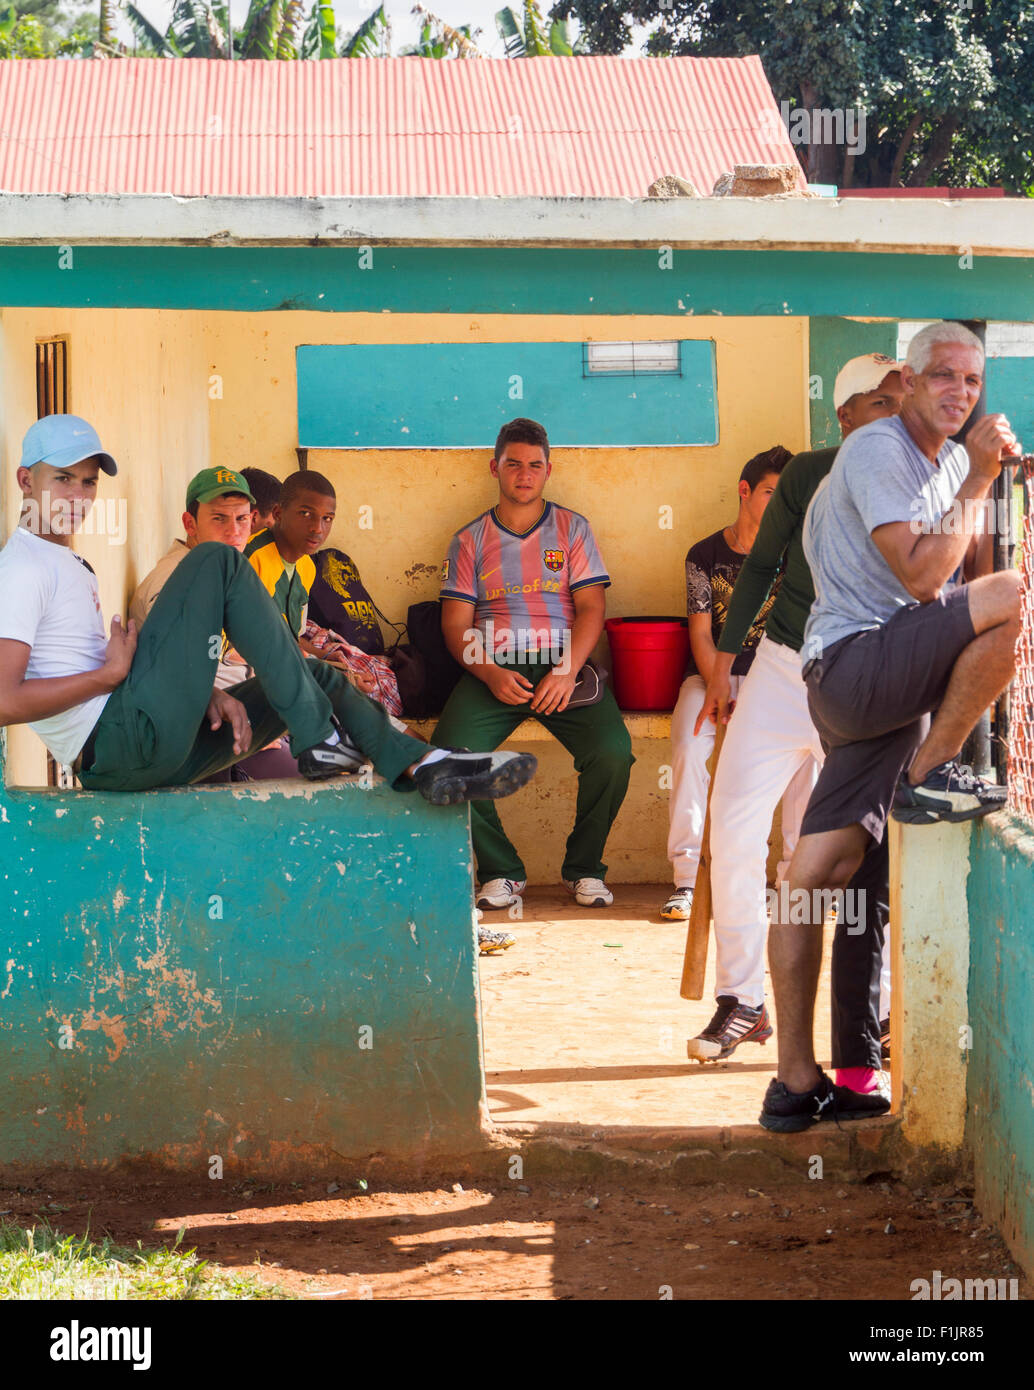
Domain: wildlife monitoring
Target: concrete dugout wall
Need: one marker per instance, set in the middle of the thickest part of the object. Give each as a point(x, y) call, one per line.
point(276, 975)
point(1000, 1125)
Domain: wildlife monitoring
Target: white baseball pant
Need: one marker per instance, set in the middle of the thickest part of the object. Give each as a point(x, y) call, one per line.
point(771, 752)
point(687, 801)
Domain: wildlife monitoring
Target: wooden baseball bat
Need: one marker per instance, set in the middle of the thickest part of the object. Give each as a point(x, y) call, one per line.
point(694, 962)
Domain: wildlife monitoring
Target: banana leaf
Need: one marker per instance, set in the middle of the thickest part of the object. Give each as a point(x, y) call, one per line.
point(261, 29)
point(510, 32)
point(366, 41)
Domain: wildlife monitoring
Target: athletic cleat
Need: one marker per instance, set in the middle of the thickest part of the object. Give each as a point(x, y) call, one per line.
point(733, 1023)
point(885, 1040)
point(950, 792)
point(325, 760)
point(589, 892)
point(490, 943)
point(679, 906)
point(473, 776)
point(500, 892)
point(789, 1111)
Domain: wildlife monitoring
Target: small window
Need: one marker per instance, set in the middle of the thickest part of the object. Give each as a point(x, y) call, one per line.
point(51, 376)
point(1010, 340)
point(632, 359)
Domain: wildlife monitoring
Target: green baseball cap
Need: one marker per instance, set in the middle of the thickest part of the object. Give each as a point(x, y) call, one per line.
point(211, 483)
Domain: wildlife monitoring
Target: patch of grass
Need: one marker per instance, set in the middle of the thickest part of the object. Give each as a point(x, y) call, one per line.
point(37, 1262)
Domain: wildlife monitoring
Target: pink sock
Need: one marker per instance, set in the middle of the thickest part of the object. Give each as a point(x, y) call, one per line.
point(857, 1078)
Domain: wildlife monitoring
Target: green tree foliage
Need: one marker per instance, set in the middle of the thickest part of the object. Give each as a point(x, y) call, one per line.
point(441, 40)
point(526, 36)
point(319, 38)
point(45, 28)
point(947, 86)
point(371, 40)
point(273, 29)
point(21, 35)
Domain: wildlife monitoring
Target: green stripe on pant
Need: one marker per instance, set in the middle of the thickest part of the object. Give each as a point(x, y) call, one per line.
point(595, 736)
point(153, 732)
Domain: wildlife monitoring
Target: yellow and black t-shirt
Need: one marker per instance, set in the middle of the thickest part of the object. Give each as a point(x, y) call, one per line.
point(340, 601)
point(288, 584)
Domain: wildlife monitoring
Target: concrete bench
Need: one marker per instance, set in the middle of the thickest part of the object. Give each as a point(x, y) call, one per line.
point(640, 724)
point(265, 973)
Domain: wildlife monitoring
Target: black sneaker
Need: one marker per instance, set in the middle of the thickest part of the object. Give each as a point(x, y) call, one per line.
point(733, 1023)
point(325, 760)
point(471, 776)
point(950, 792)
point(787, 1111)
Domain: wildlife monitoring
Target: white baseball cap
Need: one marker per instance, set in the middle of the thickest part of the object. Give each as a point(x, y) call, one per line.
point(862, 374)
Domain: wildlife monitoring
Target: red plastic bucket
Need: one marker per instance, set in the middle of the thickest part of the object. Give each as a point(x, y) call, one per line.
point(648, 660)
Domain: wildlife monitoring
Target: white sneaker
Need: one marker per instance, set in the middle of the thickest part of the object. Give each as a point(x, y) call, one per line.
point(589, 892)
point(679, 907)
point(500, 892)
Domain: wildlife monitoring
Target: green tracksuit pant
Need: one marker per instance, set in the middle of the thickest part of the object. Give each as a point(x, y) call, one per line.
point(596, 737)
point(153, 731)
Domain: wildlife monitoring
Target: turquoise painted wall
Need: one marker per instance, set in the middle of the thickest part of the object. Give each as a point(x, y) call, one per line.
point(831, 343)
point(1010, 389)
point(216, 952)
point(457, 395)
point(520, 280)
point(1000, 1124)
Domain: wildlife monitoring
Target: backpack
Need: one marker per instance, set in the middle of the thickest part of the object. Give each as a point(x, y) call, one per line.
point(425, 670)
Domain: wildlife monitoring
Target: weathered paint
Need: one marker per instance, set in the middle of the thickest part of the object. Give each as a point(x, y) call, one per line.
point(1000, 1128)
point(231, 377)
point(215, 954)
point(929, 866)
point(948, 227)
point(518, 280)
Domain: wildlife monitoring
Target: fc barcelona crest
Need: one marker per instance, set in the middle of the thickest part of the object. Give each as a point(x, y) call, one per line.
point(553, 559)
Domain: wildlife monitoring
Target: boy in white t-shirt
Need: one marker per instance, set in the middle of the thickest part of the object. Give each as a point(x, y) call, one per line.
point(129, 714)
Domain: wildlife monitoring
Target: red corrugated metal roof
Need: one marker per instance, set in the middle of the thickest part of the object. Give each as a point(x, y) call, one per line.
point(405, 127)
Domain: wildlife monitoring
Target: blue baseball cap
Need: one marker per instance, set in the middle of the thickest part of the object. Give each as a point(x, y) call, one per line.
point(61, 440)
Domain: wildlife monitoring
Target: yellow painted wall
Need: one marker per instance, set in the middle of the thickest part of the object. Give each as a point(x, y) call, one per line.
point(139, 377)
point(420, 497)
point(171, 392)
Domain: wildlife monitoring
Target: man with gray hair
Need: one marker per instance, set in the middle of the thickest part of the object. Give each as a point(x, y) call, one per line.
point(889, 640)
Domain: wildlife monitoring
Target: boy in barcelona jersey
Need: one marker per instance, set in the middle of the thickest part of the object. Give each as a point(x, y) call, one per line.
point(522, 608)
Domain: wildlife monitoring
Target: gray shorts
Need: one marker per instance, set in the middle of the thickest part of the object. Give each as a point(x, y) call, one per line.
point(870, 696)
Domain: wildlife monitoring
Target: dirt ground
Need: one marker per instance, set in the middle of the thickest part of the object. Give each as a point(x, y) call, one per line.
point(583, 1021)
point(540, 1241)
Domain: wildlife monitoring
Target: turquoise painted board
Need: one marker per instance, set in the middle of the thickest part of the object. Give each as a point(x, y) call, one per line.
point(279, 975)
point(452, 396)
point(1000, 1122)
point(1010, 389)
point(520, 280)
point(832, 342)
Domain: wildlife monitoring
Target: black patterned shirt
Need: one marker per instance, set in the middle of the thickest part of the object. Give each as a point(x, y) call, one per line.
point(711, 570)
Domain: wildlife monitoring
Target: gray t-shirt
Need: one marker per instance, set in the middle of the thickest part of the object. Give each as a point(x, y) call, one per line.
point(880, 475)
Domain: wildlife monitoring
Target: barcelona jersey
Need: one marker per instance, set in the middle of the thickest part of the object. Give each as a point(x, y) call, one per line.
point(521, 585)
